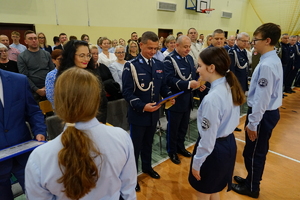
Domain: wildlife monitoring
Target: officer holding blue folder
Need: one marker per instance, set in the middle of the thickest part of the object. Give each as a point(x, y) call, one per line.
point(143, 81)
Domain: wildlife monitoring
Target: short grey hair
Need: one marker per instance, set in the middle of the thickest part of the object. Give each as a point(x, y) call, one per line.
point(2, 46)
point(179, 40)
point(240, 35)
point(118, 47)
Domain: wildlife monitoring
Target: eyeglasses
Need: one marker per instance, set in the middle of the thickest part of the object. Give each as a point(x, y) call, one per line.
point(82, 55)
point(3, 51)
point(254, 40)
point(245, 41)
point(134, 46)
point(121, 52)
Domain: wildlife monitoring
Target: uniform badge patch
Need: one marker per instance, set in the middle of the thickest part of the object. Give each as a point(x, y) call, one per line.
point(159, 71)
point(205, 124)
point(263, 82)
point(142, 84)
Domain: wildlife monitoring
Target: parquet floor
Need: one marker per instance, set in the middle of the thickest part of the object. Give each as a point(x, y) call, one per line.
point(281, 179)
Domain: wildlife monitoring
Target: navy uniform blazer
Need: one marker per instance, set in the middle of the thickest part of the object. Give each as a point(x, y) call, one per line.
point(184, 102)
point(19, 107)
point(136, 98)
point(241, 74)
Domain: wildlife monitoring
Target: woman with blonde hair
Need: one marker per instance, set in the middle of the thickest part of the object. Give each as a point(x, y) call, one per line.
point(133, 50)
point(170, 44)
point(89, 160)
point(43, 42)
point(207, 41)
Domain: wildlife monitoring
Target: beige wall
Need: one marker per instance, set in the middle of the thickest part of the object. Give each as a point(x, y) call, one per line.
point(118, 18)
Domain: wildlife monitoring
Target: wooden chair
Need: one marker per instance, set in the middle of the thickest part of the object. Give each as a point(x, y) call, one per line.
point(46, 107)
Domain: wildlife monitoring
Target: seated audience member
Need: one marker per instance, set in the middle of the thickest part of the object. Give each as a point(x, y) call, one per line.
point(133, 50)
point(89, 160)
point(51, 76)
point(178, 35)
point(86, 38)
point(62, 39)
point(43, 42)
point(122, 43)
point(15, 36)
point(72, 37)
point(98, 45)
point(5, 63)
point(170, 44)
point(105, 57)
point(159, 55)
point(164, 47)
point(13, 53)
point(112, 88)
point(55, 41)
point(114, 43)
point(77, 54)
point(17, 107)
point(116, 68)
point(207, 41)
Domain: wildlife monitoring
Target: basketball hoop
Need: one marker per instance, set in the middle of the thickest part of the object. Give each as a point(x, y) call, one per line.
point(207, 11)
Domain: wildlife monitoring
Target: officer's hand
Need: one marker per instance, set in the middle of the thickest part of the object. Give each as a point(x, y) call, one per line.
point(194, 84)
point(40, 137)
point(251, 134)
point(150, 107)
point(202, 88)
point(173, 101)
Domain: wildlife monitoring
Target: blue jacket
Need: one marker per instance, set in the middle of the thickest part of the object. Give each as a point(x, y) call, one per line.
point(19, 107)
point(137, 98)
point(242, 60)
point(184, 102)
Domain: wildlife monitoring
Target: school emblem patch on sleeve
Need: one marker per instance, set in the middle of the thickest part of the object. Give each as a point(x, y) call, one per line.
point(263, 82)
point(205, 124)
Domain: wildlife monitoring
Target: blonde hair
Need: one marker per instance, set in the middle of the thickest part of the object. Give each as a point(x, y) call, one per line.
point(45, 43)
point(76, 98)
point(137, 46)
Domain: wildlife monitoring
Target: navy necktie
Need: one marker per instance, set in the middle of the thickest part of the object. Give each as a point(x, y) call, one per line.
point(149, 63)
point(1, 112)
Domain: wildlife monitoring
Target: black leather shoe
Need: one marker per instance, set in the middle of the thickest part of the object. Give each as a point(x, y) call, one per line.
point(152, 173)
point(174, 158)
point(239, 180)
point(285, 95)
point(184, 152)
point(137, 187)
point(237, 129)
point(242, 189)
point(292, 91)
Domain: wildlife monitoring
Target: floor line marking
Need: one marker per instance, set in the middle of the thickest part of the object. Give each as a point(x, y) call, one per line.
point(279, 154)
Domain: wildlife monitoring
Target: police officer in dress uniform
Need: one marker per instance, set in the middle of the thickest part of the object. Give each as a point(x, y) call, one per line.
point(180, 75)
point(284, 54)
point(297, 64)
point(239, 60)
point(264, 99)
point(143, 81)
point(290, 71)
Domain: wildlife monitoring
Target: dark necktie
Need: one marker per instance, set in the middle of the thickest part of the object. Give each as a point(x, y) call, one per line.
point(1, 112)
point(149, 63)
